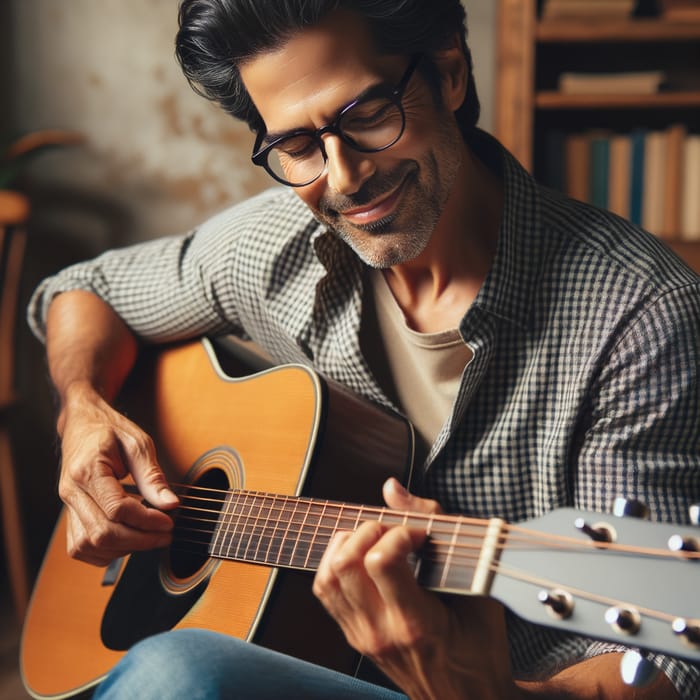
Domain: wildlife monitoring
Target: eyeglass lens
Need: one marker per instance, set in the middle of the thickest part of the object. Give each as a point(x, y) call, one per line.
point(368, 126)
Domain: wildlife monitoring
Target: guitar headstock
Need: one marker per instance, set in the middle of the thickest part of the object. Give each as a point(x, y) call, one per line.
point(618, 579)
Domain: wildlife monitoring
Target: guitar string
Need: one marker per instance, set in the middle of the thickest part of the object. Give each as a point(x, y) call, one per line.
point(497, 567)
point(434, 553)
point(526, 538)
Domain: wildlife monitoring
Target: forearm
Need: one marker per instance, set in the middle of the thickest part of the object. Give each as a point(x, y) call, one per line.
point(88, 346)
point(597, 678)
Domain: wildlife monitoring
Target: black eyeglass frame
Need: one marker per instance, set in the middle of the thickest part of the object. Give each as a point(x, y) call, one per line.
point(394, 95)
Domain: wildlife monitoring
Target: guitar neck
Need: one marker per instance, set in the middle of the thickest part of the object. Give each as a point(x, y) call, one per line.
point(549, 570)
point(293, 532)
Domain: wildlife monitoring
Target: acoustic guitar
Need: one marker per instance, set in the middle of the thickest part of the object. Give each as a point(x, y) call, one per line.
point(268, 466)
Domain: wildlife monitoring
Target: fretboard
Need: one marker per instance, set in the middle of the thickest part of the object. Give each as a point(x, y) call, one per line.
point(294, 532)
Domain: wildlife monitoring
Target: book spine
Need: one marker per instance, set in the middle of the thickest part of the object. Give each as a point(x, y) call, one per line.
point(690, 206)
point(637, 176)
point(600, 164)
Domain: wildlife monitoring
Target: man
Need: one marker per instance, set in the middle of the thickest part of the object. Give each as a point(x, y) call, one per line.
point(546, 351)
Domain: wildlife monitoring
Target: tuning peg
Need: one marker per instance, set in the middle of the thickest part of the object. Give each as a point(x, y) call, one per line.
point(636, 670)
point(598, 533)
point(688, 629)
point(678, 543)
point(558, 602)
point(695, 514)
point(626, 620)
point(630, 508)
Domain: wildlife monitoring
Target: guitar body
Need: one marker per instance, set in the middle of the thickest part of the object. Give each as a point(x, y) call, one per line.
point(285, 430)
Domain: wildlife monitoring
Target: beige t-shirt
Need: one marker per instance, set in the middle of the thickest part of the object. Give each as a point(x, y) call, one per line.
point(426, 367)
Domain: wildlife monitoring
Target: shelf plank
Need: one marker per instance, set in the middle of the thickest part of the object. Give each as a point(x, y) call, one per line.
point(630, 30)
point(552, 99)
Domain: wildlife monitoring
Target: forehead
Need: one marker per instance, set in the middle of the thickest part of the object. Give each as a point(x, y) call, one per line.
point(316, 72)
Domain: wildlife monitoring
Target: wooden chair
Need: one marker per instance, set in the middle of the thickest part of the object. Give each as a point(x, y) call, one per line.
point(14, 209)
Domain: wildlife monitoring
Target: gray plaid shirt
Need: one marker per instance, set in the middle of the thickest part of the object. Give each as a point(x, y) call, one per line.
point(585, 381)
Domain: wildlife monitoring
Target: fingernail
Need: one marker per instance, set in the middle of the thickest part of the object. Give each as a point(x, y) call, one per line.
point(168, 497)
point(398, 486)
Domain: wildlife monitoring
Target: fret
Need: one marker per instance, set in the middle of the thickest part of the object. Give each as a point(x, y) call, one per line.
point(450, 553)
point(280, 505)
point(313, 543)
point(262, 548)
point(227, 525)
point(299, 545)
point(347, 522)
point(253, 528)
point(242, 538)
point(215, 548)
point(286, 545)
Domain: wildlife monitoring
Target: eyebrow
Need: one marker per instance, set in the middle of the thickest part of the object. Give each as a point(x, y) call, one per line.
point(271, 136)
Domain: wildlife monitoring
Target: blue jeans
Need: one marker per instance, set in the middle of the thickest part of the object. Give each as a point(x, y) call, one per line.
point(197, 664)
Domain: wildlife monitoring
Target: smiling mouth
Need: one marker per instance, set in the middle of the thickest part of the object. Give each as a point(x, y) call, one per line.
point(379, 210)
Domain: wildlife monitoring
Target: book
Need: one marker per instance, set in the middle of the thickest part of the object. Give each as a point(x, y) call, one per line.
point(554, 160)
point(674, 177)
point(555, 9)
point(626, 83)
point(690, 202)
point(577, 166)
point(600, 164)
point(654, 181)
point(638, 138)
point(619, 175)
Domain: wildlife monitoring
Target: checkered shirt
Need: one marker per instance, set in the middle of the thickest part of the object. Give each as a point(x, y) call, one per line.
point(585, 382)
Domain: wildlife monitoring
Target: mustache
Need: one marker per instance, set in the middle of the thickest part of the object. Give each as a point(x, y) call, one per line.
point(332, 204)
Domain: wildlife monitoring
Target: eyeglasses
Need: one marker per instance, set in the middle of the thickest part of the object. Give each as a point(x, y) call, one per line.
point(373, 122)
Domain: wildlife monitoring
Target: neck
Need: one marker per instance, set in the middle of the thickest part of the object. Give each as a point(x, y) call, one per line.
point(436, 289)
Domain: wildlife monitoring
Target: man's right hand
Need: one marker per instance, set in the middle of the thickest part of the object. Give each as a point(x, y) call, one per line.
point(99, 448)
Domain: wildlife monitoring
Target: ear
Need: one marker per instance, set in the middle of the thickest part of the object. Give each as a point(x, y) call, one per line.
point(454, 74)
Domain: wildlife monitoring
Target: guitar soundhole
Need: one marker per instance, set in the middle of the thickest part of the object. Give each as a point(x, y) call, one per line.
point(195, 522)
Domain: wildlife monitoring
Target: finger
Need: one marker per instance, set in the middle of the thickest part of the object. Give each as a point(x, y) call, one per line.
point(398, 498)
point(94, 539)
point(390, 567)
point(119, 508)
point(139, 456)
point(348, 565)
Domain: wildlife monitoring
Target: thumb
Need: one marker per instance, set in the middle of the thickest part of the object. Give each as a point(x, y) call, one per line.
point(150, 479)
point(154, 488)
point(398, 498)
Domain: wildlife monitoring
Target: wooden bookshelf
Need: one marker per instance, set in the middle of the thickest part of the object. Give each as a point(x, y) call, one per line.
point(532, 53)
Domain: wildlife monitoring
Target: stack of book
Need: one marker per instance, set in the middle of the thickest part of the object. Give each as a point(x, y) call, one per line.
point(680, 10)
point(624, 83)
point(651, 177)
point(593, 9)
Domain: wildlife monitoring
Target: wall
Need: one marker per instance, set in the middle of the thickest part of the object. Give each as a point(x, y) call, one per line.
point(157, 159)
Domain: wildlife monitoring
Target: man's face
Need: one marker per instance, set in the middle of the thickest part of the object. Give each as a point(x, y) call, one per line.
point(384, 205)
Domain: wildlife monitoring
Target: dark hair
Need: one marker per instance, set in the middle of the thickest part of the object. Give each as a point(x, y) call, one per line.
point(216, 36)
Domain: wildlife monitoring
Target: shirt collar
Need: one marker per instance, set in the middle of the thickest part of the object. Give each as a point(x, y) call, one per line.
point(510, 286)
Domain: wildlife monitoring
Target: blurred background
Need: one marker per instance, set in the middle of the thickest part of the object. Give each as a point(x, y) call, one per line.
point(154, 159)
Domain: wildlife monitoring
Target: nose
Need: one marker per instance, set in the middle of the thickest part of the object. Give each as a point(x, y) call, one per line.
point(346, 168)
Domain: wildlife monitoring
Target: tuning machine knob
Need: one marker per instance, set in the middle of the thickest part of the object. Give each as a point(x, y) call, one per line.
point(680, 544)
point(630, 508)
point(636, 670)
point(625, 620)
point(600, 532)
point(559, 603)
point(689, 630)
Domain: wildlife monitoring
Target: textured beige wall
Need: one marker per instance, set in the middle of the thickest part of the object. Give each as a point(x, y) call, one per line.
point(107, 69)
point(158, 158)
